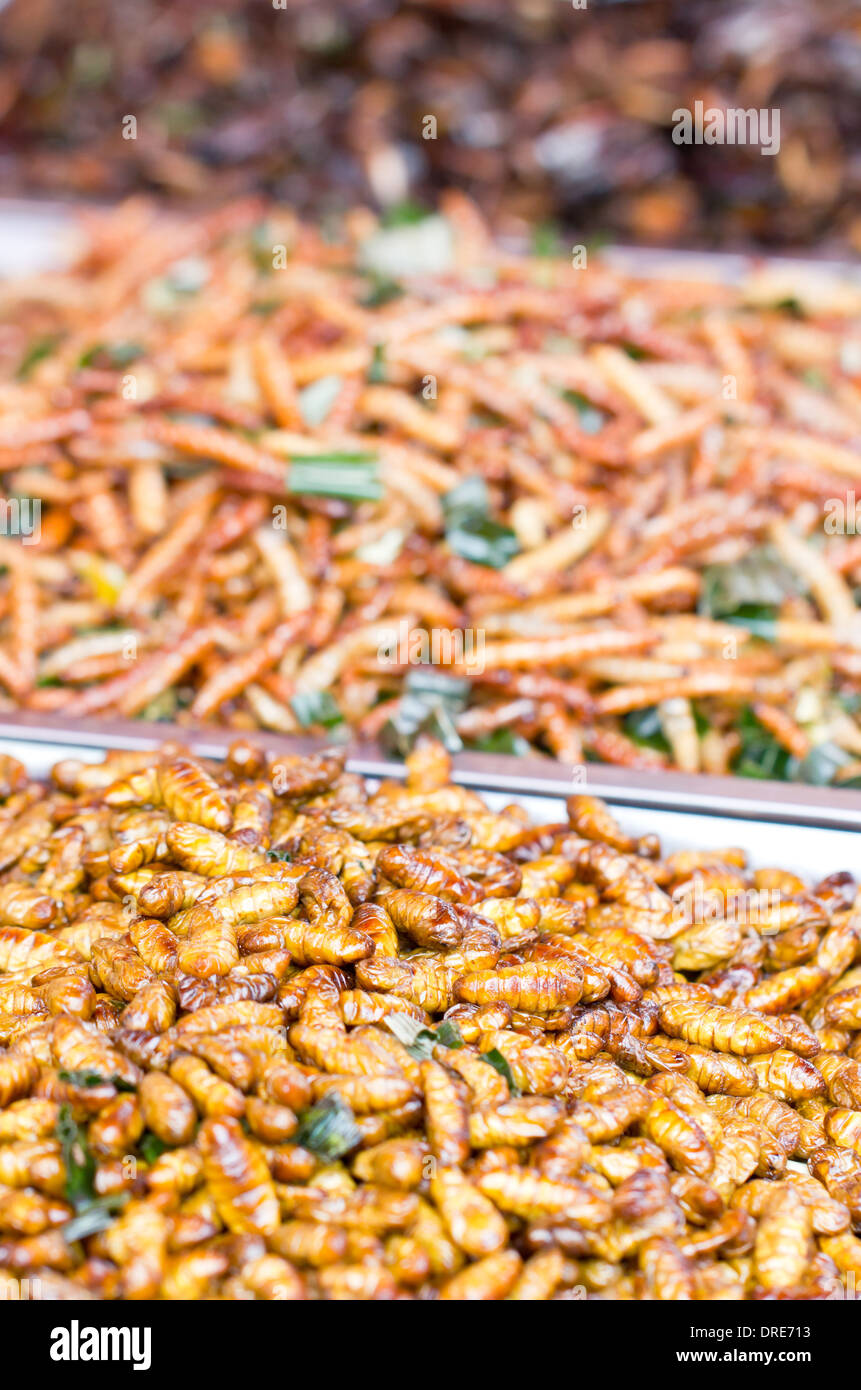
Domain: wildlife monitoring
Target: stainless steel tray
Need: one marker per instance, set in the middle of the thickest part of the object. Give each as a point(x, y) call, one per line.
point(814, 830)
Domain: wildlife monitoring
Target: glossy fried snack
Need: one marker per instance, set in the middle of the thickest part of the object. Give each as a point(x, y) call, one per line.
point(289, 480)
point(332, 1063)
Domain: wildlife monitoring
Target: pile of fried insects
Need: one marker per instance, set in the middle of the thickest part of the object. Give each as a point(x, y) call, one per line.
point(272, 1033)
point(616, 513)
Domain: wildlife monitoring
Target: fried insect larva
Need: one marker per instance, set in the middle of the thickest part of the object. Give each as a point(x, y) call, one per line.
point(779, 993)
point(23, 906)
point(155, 943)
point(192, 1275)
point(17, 1075)
point(183, 786)
point(668, 1275)
point(311, 1243)
point(119, 968)
point(839, 1170)
point(519, 1121)
point(137, 1242)
point(272, 1278)
point(117, 1127)
point(312, 943)
point(723, 1030)
point(843, 1127)
point(210, 947)
point(210, 1093)
point(680, 1137)
point(169, 892)
point(28, 1119)
point(527, 1193)
point(425, 919)
point(423, 872)
point(238, 1177)
point(167, 1109)
point(842, 1078)
point(251, 902)
point(447, 1114)
point(401, 1163)
point(845, 1250)
point(703, 946)
point(779, 1118)
point(365, 1095)
point(473, 1221)
point(488, 1279)
point(209, 853)
point(541, 1275)
point(153, 1008)
point(537, 988)
point(486, 1085)
point(720, 1072)
point(787, 1076)
point(612, 1113)
point(783, 1241)
point(227, 1058)
point(76, 1048)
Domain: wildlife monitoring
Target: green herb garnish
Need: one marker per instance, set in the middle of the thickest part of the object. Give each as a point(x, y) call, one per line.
point(329, 1128)
point(316, 707)
point(495, 1059)
point(403, 214)
point(36, 353)
point(112, 354)
point(749, 591)
point(92, 1212)
point(94, 1078)
point(431, 702)
point(420, 1041)
point(591, 418)
point(643, 726)
point(821, 764)
point(151, 1147)
point(95, 1216)
point(501, 741)
point(760, 755)
point(471, 532)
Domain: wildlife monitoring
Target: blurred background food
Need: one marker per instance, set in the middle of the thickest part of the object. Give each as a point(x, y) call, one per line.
point(548, 115)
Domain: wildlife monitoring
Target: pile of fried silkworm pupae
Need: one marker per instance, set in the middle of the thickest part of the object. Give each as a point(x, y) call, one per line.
point(271, 1033)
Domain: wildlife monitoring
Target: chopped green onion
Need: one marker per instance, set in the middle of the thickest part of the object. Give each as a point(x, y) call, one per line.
point(350, 476)
point(316, 400)
point(384, 550)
